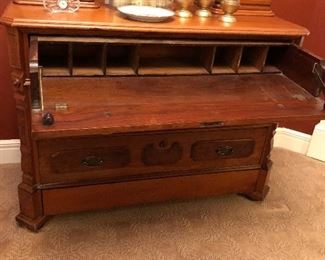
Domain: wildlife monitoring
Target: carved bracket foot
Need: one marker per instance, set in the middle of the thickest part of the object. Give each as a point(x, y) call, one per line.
point(257, 195)
point(32, 224)
point(31, 210)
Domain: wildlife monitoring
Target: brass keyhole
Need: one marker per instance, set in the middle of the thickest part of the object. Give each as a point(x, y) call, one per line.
point(163, 144)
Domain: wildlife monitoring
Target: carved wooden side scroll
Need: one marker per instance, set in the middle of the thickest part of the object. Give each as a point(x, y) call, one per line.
point(31, 213)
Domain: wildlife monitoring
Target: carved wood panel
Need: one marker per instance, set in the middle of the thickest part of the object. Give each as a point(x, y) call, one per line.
point(30, 199)
point(22, 100)
point(162, 153)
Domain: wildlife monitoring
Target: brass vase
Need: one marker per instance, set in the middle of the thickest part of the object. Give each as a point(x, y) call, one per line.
point(204, 8)
point(184, 12)
point(229, 7)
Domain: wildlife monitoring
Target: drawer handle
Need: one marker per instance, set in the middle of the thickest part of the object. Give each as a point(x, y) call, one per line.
point(225, 150)
point(92, 161)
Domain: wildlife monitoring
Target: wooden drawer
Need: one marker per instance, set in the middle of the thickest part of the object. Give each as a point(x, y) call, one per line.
point(151, 154)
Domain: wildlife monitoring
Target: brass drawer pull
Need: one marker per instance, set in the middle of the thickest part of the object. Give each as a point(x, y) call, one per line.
point(225, 150)
point(92, 161)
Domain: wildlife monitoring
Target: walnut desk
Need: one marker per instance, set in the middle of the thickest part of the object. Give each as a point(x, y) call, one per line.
point(114, 113)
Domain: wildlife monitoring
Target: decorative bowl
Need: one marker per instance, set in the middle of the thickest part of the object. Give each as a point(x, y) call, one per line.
point(146, 13)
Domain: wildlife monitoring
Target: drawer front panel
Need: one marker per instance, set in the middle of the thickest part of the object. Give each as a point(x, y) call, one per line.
point(151, 154)
point(90, 159)
point(216, 150)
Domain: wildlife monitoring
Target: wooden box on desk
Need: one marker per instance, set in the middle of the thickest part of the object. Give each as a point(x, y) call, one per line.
point(141, 113)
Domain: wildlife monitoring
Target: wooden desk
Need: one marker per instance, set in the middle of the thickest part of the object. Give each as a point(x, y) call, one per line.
point(113, 112)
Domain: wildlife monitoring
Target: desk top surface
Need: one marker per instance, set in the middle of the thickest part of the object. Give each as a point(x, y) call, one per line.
point(106, 19)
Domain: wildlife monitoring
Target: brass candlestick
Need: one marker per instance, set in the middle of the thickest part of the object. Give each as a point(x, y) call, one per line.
point(204, 8)
point(184, 12)
point(229, 7)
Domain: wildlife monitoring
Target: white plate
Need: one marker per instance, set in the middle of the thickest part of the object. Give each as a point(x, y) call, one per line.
point(146, 13)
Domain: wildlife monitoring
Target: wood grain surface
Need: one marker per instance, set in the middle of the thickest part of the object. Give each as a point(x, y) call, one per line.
point(123, 104)
point(75, 199)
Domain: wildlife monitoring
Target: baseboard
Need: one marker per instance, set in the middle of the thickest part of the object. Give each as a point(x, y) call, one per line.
point(292, 140)
point(9, 151)
point(284, 138)
point(317, 145)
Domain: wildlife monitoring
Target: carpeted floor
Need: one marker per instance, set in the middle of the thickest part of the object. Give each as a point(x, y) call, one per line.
point(289, 224)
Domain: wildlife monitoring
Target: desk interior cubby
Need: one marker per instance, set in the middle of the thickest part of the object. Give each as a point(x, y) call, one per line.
point(121, 59)
point(172, 60)
point(253, 59)
point(226, 60)
point(54, 58)
point(274, 57)
point(77, 56)
point(88, 59)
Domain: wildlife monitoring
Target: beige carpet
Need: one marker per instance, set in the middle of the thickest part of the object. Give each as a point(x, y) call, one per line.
point(290, 224)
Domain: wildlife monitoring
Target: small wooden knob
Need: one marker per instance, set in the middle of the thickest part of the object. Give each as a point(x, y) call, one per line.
point(48, 119)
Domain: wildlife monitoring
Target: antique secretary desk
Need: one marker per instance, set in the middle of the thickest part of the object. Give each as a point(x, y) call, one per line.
point(114, 112)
